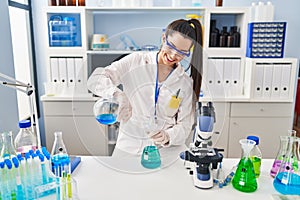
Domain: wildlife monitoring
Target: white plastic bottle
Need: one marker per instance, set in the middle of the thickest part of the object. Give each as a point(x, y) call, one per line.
point(255, 155)
point(25, 139)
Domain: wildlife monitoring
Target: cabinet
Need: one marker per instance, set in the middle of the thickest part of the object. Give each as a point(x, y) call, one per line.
point(266, 120)
point(82, 134)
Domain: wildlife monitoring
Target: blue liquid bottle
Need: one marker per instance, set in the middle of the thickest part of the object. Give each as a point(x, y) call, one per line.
point(287, 180)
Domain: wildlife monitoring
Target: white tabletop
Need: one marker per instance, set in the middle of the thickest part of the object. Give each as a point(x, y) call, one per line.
point(125, 178)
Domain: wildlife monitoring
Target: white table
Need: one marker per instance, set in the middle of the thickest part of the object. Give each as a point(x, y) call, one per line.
point(125, 178)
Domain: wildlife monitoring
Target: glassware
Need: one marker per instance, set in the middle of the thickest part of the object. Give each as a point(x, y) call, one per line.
point(105, 111)
point(8, 151)
point(151, 156)
point(280, 155)
point(255, 155)
point(59, 157)
point(287, 180)
point(25, 139)
point(244, 179)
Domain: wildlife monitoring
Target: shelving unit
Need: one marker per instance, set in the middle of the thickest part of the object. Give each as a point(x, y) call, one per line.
point(234, 96)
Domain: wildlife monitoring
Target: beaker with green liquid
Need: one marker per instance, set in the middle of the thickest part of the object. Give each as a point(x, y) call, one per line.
point(244, 179)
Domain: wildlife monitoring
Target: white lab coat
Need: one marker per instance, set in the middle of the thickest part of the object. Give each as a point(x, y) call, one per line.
point(137, 73)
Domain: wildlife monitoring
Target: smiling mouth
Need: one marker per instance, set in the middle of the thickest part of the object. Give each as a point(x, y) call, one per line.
point(168, 59)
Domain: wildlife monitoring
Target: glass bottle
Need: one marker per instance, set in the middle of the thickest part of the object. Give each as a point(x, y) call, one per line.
point(287, 180)
point(223, 37)
point(214, 34)
point(25, 139)
point(255, 155)
point(244, 179)
point(59, 156)
point(8, 151)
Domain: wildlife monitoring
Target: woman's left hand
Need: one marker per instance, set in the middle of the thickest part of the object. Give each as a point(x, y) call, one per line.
point(161, 138)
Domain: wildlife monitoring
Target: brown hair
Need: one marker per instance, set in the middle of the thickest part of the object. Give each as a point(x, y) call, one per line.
point(191, 29)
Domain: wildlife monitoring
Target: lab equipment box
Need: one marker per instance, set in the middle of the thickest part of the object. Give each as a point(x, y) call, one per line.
point(64, 30)
point(266, 39)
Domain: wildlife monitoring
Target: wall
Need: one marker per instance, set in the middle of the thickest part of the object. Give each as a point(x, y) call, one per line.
point(8, 98)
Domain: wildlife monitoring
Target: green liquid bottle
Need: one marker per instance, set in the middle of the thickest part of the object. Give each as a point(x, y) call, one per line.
point(255, 155)
point(244, 179)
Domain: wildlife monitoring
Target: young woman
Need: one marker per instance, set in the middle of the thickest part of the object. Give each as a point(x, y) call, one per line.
point(155, 88)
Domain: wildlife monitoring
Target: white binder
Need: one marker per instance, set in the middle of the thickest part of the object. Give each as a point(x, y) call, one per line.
point(54, 70)
point(219, 74)
point(276, 80)
point(267, 80)
point(62, 64)
point(209, 77)
point(79, 71)
point(227, 79)
point(258, 81)
point(236, 82)
point(71, 71)
point(285, 81)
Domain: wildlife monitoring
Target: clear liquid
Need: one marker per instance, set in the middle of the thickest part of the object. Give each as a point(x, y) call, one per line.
point(106, 119)
point(256, 164)
point(287, 183)
point(244, 179)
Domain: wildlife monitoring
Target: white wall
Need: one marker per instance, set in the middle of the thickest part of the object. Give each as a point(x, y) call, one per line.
point(8, 98)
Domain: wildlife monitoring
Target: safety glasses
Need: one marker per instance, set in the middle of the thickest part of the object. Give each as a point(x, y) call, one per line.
point(179, 53)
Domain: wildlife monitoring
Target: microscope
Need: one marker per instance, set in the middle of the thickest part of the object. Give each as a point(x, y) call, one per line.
point(201, 159)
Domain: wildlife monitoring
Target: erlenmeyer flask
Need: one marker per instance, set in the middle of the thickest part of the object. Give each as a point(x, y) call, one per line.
point(244, 179)
point(8, 151)
point(287, 180)
point(280, 155)
point(151, 156)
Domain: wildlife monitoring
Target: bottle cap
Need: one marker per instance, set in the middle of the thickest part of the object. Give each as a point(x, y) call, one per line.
point(254, 138)
point(24, 123)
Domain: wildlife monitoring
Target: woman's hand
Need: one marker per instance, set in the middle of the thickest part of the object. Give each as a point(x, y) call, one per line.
point(161, 138)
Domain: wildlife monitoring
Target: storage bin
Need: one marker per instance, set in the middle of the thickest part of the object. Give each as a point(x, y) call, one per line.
point(266, 39)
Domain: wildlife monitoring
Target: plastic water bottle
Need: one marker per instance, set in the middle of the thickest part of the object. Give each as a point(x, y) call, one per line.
point(255, 155)
point(25, 139)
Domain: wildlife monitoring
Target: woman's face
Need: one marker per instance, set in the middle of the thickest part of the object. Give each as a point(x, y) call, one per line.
point(175, 47)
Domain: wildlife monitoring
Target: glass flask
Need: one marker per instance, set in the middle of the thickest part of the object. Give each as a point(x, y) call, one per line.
point(280, 155)
point(25, 139)
point(244, 179)
point(151, 156)
point(287, 180)
point(8, 151)
point(105, 111)
point(59, 156)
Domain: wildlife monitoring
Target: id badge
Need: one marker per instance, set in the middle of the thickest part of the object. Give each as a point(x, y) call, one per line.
point(174, 102)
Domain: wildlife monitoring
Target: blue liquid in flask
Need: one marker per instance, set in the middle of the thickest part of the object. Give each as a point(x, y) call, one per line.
point(106, 119)
point(287, 183)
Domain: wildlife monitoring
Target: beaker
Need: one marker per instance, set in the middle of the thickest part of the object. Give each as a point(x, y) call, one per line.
point(287, 180)
point(105, 111)
point(244, 179)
